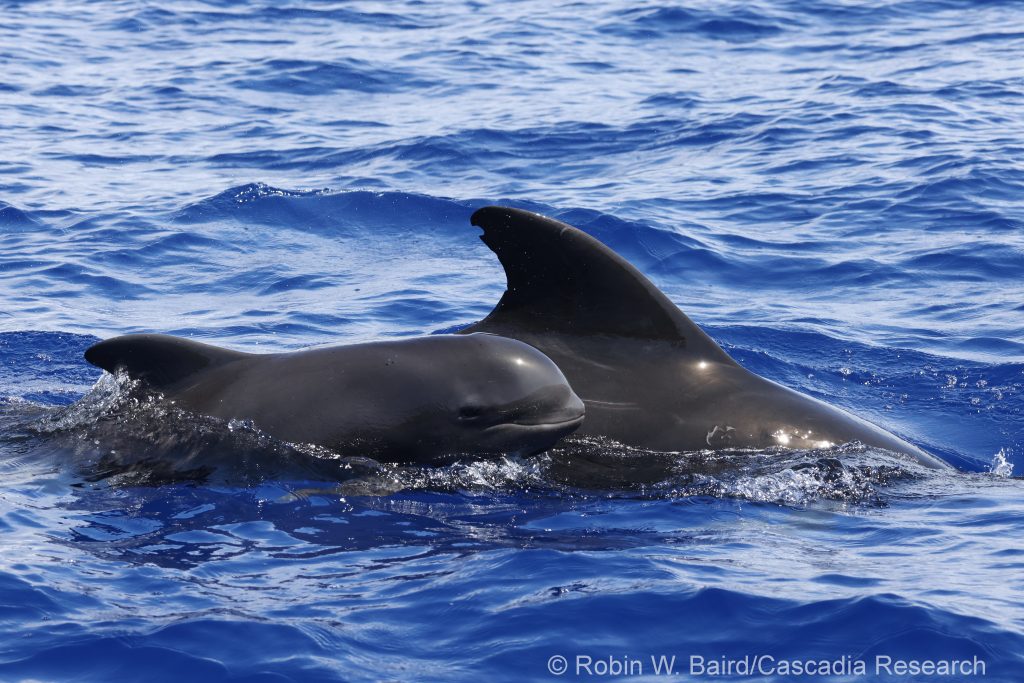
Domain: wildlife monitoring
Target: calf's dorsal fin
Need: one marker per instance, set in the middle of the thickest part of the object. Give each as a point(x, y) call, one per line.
point(157, 359)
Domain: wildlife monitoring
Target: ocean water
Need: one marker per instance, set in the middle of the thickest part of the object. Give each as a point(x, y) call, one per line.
point(831, 189)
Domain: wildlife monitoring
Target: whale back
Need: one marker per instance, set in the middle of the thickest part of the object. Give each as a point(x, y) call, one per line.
point(561, 280)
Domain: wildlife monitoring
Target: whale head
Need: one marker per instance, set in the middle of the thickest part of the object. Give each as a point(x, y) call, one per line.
point(493, 395)
point(521, 404)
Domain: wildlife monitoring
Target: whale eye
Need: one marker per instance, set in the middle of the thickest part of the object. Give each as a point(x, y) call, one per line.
point(470, 412)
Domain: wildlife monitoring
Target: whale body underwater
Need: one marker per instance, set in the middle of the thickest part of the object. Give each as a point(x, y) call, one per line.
point(648, 375)
point(418, 400)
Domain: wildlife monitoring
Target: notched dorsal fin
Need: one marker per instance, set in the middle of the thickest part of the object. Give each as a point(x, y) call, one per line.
point(157, 359)
point(561, 279)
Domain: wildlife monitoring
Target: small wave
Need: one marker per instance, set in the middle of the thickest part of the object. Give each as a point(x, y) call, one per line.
point(45, 367)
point(737, 26)
point(70, 91)
point(12, 218)
point(308, 77)
point(323, 211)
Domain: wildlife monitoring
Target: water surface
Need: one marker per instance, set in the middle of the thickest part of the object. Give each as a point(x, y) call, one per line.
point(831, 190)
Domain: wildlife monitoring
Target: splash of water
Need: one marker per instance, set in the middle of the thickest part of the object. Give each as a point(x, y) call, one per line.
point(1001, 465)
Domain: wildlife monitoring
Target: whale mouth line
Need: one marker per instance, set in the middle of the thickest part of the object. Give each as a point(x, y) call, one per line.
point(578, 420)
point(570, 423)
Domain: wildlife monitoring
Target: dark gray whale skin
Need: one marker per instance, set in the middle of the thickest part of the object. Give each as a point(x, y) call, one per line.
point(648, 375)
point(413, 400)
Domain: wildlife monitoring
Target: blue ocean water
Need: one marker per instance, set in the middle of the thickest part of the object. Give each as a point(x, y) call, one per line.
point(831, 189)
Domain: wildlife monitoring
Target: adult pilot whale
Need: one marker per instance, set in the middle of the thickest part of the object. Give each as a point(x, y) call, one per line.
point(412, 400)
point(648, 375)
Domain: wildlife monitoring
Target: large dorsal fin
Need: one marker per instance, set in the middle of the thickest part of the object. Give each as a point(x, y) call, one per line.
point(157, 359)
point(561, 279)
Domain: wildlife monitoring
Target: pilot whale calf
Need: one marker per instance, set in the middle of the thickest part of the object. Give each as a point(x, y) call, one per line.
point(648, 375)
point(411, 400)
